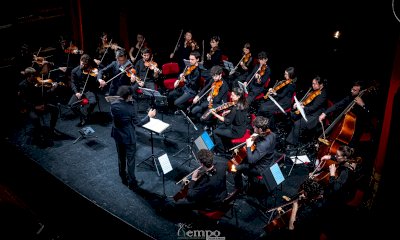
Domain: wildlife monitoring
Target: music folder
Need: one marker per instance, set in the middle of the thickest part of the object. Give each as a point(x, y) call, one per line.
point(156, 125)
point(204, 142)
point(273, 176)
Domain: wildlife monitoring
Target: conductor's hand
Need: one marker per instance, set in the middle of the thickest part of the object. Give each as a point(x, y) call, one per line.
point(152, 113)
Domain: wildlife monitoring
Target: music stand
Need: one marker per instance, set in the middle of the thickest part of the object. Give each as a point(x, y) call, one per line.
point(154, 126)
point(298, 160)
point(228, 66)
point(156, 99)
point(85, 132)
point(166, 168)
point(190, 140)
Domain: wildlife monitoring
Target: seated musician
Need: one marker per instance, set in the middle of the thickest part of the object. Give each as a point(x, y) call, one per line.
point(261, 157)
point(282, 93)
point(146, 69)
point(119, 71)
point(306, 210)
point(231, 121)
point(255, 81)
point(207, 187)
point(360, 110)
point(313, 105)
point(339, 188)
point(245, 67)
point(84, 86)
point(191, 77)
point(217, 94)
point(34, 98)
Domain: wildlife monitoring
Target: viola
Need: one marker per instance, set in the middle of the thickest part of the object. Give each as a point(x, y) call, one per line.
point(279, 86)
point(309, 99)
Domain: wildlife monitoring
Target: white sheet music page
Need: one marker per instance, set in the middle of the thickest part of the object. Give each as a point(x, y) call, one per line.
point(300, 159)
point(165, 163)
point(156, 125)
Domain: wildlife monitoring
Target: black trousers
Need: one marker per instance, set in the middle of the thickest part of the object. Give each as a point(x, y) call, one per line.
point(126, 162)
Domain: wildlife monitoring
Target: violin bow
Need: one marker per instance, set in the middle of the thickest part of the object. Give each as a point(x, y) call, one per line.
point(141, 45)
point(237, 65)
point(176, 46)
point(37, 55)
point(105, 52)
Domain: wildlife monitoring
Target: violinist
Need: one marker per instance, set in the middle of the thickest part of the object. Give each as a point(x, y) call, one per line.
point(212, 58)
point(207, 188)
point(244, 67)
point(191, 77)
point(33, 100)
point(361, 110)
point(313, 105)
point(185, 47)
point(215, 93)
point(256, 80)
point(260, 156)
point(118, 70)
point(231, 121)
point(105, 51)
point(304, 219)
point(146, 69)
point(283, 95)
point(137, 47)
point(84, 85)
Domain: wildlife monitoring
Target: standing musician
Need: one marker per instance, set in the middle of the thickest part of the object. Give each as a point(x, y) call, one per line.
point(255, 82)
point(282, 93)
point(212, 58)
point(217, 93)
point(146, 69)
point(313, 105)
point(84, 86)
point(260, 149)
point(362, 111)
point(242, 70)
point(184, 49)
point(207, 188)
point(105, 52)
point(232, 121)
point(120, 70)
point(34, 94)
point(137, 47)
point(190, 77)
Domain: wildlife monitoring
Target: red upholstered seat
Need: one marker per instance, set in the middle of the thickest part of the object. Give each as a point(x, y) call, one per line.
point(171, 73)
point(246, 135)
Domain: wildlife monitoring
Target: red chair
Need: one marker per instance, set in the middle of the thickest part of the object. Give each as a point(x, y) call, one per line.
point(171, 73)
point(228, 205)
point(246, 135)
point(261, 95)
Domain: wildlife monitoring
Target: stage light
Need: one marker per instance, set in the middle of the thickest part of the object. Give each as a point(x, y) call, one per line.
point(337, 34)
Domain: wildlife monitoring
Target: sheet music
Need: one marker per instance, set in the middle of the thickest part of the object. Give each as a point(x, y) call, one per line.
point(301, 159)
point(300, 108)
point(228, 65)
point(156, 125)
point(165, 163)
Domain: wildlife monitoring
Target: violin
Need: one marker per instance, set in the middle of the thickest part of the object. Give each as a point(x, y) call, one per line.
point(130, 72)
point(152, 65)
point(73, 50)
point(262, 70)
point(46, 83)
point(309, 99)
point(217, 109)
point(215, 90)
point(247, 58)
point(192, 43)
point(91, 71)
point(279, 86)
point(40, 60)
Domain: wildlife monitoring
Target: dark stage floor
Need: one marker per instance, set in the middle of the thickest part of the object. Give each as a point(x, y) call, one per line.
point(73, 188)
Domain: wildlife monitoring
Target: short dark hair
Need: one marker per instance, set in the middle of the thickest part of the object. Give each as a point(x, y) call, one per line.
point(125, 91)
point(261, 122)
point(206, 157)
point(216, 70)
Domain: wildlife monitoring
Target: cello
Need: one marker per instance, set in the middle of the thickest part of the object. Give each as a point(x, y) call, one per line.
point(342, 128)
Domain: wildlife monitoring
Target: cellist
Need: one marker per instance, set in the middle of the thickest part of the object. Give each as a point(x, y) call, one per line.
point(313, 105)
point(361, 111)
point(260, 148)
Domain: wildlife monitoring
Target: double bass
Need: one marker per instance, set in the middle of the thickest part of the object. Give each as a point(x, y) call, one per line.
point(342, 129)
